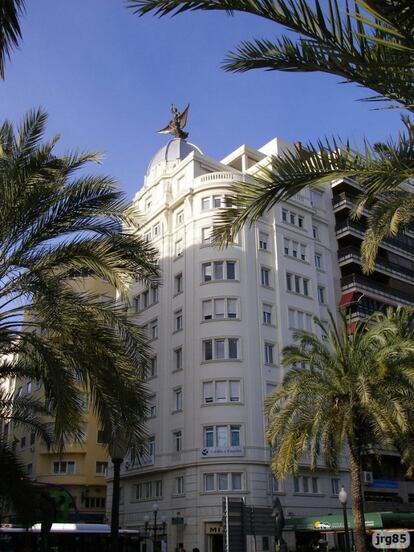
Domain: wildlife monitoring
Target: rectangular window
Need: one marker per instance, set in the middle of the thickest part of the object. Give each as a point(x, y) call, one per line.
point(23, 442)
point(263, 241)
point(222, 481)
point(286, 246)
point(268, 350)
point(300, 221)
point(179, 485)
point(178, 359)
point(306, 287)
point(205, 203)
point(209, 481)
point(315, 488)
point(209, 437)
point(178, 320)
point(64, 467)
point(207, 311)
point(289, 281)
point(318, 260)
point(154, 329)
point(221, 391)
point(152, 372)
point(156, 230)
point(295, 247)
point(178, 399)
point(101, 468)
point(178, 283)
point(315, 232)
point(296, 485)
point(208, 396)
point(235, 436)
point(207, 270)
point(151, 447)
point(28, 387)
point(179, 248)
point(231, 308)
point(284, 215)
point(303, 252)
point(316, 199)
point(32, 438)
point(218, 270)
point(291, 318)
point(267, 314)
point(334, 486)
point(180, 217)
point(234, 391)
point(152, 408)
point(217, 202)
point(321, 295)
point(233, 348)
point(297, 284)
point(218, 308)
point(19, 392)
point(305, 484)
point(178, 440)
point(231, 270)
point(206, 235)
point(265, 276)
point(221, 348)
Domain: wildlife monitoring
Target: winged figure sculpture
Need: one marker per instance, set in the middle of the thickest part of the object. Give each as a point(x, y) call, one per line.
point(177, 123)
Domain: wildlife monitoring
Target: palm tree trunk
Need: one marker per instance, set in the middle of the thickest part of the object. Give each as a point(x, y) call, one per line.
point(357, 497)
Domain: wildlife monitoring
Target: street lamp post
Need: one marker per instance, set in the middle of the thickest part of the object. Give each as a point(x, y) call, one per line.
point(343, 499)
point(117, 450)
point(154, 527)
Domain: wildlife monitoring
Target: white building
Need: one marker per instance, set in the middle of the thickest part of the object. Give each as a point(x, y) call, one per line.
point(218, 325)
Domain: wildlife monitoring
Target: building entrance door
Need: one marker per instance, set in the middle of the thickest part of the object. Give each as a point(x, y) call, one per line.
point(216, 543)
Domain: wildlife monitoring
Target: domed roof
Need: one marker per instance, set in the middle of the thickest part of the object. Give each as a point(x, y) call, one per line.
point(175, 150)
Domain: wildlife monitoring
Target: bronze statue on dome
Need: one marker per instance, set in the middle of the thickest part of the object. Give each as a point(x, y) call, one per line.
point(177, 123)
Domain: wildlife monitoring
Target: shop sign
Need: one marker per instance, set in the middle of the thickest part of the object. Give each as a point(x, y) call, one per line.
point(222, 451)
point(214, 528)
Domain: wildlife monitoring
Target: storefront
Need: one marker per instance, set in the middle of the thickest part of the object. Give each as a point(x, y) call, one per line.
point(327, 531)
point(214, 535)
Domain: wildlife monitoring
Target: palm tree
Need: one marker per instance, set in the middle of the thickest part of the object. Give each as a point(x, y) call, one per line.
point(15, 488)
point(59, 230)
point(372, 45)
point(10, 33)
point(344, 391)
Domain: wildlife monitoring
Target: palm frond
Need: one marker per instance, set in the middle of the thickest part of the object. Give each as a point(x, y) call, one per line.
point(10, 33)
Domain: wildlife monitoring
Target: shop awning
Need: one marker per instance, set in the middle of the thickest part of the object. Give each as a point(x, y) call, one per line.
point(346, 298)
point(336, 522)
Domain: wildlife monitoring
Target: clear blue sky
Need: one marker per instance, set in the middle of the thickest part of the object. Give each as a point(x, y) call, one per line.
point(107, 79)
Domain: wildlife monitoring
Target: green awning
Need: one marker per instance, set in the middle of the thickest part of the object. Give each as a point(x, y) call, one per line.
point(333, 522)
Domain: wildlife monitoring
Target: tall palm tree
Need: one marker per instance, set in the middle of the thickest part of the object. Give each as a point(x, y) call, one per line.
point(10, 33)
point(56, 228)
point(371, 44)
point(342, 392)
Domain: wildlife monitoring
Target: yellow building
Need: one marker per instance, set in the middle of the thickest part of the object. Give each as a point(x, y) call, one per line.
point(75, 477)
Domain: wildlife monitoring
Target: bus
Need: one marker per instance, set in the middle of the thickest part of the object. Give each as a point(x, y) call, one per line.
point(68, 537)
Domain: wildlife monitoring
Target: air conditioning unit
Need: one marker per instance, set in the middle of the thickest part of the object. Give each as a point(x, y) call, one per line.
point(367, 477)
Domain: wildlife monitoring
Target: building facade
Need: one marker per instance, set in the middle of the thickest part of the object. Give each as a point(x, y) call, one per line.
point(217, 326)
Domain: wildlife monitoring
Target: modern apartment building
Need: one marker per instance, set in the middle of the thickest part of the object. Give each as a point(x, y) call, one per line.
point(218, 325)
point(386, 484)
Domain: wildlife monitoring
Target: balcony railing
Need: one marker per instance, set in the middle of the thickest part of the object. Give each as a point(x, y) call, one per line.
point(401, 242)
point(354, 253)
point(358, 281)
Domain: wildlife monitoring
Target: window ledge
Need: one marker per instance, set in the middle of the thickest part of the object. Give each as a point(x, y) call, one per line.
point(296, 259)
point(178, 293)
point(271, 364)
point(176, 411)
point(221, 320)
point(224, 403)
point(310, 495)
point(219, 360)
point(177, 331)
point(176, 370)
point(299, 295)
point(219, 282)
point(269, 325)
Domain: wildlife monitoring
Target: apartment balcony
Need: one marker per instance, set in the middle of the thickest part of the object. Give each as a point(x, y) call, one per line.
point(380, 291)
point(343, 201)
point(351, 254)
point(401, 244)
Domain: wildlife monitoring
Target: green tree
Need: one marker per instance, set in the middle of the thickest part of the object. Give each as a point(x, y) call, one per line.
point(353, 391)
point(10, 33)
point(59, 230)
point(371, 44)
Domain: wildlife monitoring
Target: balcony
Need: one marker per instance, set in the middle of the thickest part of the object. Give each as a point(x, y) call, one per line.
point(343, 200)
point(217, 177)
point(402, 243)
point(352, 254)
point(361, 283)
